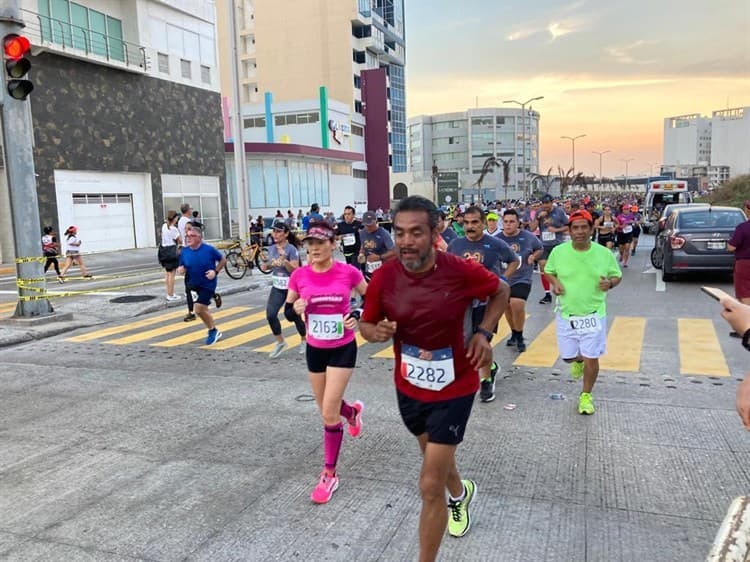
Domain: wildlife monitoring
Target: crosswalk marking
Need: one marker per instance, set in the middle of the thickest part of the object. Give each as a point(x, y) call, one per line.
point(622, 354)
point(175, 327)
point(543, 349)
point(700, 352)
point(699, 346)
point(201, 335)
point(7, 308)
point(125, 327)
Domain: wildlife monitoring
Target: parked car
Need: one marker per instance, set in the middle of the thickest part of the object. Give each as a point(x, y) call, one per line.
point(695, 239)
point(669, 209)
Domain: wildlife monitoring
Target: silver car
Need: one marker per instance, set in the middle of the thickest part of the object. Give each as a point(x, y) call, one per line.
point(695, 239)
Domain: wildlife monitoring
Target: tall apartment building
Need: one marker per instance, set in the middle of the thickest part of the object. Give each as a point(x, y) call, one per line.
point(730, 139)
point(126, 115)
point(687, 140)
point(288, 50)
point(463, 141)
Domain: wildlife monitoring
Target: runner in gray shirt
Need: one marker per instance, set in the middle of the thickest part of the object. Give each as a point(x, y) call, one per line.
point(553, 224)
point(529, 249)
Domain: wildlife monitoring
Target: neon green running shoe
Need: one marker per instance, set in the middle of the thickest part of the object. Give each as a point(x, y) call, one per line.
point(458, 519)
point(585, 404)
point(576, 369)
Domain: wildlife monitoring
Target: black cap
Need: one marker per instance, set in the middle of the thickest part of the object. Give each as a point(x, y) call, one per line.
point(546, 198)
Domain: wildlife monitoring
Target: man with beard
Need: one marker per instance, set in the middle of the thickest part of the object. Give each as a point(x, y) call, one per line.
point(496, 256)
point(581, 275)
point(436, 361)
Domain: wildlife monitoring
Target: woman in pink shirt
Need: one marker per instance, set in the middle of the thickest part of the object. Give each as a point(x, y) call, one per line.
point(321, 292)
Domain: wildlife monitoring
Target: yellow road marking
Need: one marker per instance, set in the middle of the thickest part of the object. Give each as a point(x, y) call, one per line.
point(543, 349)
point(125, 327)
point(292, 339)
point(200, 334)
point(624, 345)
point(700, 352)
point(175, 327)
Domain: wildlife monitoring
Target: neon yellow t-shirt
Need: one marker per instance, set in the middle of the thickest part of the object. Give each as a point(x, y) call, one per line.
point(579, 272)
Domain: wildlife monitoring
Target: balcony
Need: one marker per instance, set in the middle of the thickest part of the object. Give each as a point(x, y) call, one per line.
point(60, 37)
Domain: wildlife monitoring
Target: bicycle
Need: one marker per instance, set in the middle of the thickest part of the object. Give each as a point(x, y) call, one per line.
point(241, 257)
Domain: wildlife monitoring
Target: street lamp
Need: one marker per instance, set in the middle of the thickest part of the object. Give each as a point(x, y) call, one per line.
point(626, 160)
point(603, 152)
point(651, 168)
point(573, 143)
point(523, 114)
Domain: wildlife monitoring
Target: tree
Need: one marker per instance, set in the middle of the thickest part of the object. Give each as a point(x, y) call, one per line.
point(569, 179)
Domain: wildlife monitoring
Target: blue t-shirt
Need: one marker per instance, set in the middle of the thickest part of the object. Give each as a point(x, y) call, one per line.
point(449, 235)
point(491, 252)
point(378, 242)
point(556, 218)
point(524, 244)
point(305, 222)
point(197, 262)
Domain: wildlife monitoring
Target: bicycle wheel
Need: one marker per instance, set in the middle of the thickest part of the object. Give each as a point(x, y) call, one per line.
point(235, 266)
point(261, 256)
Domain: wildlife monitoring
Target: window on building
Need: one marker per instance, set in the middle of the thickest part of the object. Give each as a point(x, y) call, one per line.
point(359, 174)
point(205, 74)
point(357, 82)
point(341, 169)
point(481, 120)
point(358, 56)
point(358, 106)
point(185, 68)
point(357, 130)
point(163, 62)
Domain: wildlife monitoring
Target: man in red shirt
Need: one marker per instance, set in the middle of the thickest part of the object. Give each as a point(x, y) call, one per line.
point(423, 301)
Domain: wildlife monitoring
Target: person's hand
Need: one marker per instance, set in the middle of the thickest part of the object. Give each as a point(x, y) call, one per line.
point(373, 257)
point(181, 270)
point(299, 306)
point(479, 352)
point(211, 274)
point(361, 258)
point(558, 289)
point(736, 314)
point(350, 322)
point(531, 259)
point(604, 284)
point(743, 401)
point(384, 330)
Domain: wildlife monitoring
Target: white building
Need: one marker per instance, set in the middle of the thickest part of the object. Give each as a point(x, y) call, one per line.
point(464, 141)
point(687, 140)
point(730, 140)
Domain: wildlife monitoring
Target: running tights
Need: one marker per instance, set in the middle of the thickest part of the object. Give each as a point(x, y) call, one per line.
point(275, 302)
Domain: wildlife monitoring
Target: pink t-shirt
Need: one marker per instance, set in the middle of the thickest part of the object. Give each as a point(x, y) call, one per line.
point(327, 295)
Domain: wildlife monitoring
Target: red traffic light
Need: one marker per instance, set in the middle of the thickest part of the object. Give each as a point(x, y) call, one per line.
point(16, 46)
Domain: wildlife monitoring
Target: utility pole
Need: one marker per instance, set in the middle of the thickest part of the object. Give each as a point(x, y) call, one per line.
point(19, 165)
point(627, 161)
point(602, 153)
point(240, 168)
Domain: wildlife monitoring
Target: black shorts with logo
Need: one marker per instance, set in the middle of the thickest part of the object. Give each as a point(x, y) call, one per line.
point(444, 422)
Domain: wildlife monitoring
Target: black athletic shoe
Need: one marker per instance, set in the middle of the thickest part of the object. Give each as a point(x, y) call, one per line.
point(487, 390)
point(511, 341)
point(217, 300)
point(546, 299)
point(189, 317)
point(521, 345)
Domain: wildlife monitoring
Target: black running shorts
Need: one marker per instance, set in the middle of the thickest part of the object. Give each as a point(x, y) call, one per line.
point(444, 422)
point(520, 291)
point(318, 358)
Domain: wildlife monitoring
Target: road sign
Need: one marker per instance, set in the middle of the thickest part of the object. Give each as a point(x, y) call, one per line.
point(447, 187)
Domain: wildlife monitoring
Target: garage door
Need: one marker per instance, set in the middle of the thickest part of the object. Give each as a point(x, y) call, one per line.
point(104, 220)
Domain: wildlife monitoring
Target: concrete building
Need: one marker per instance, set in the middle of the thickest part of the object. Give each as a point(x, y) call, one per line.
point(730, 140)
point(126, 116)
point(463, 141)
point(358, 55)
point(687, 140)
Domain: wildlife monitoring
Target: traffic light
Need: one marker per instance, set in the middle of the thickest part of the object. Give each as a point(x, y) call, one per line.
point(17, 65)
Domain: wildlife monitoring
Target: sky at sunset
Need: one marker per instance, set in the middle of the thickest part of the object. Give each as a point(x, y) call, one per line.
point(610, 70)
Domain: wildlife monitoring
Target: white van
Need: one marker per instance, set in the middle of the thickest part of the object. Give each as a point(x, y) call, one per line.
point(661, 193)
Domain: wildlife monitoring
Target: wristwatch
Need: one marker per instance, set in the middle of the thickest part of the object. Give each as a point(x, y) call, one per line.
point(487, 334)
point(746, 340)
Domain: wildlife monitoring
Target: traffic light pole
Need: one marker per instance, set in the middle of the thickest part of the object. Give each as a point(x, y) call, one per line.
point(24, 207)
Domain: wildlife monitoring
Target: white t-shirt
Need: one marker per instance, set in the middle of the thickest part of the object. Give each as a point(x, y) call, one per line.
point(73, 243)
point(169, 235)
point(181, 227)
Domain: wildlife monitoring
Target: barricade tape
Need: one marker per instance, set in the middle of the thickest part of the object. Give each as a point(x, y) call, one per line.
point(28, 260)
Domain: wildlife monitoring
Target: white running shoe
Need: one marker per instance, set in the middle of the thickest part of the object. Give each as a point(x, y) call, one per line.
point(280, 346)
point(302, 347)
point(172, 298)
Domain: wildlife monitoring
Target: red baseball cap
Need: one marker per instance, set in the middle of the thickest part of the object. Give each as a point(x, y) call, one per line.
point(581, 214)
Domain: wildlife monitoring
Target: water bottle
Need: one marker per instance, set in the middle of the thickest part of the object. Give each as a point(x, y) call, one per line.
point(557, 396)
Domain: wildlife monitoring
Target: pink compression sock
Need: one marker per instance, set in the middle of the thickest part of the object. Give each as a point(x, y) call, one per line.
point(333, 435)
point(346, 410)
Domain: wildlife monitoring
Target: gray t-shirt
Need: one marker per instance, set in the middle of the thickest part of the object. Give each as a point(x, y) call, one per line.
point(490, 251)
point(555, 218)
point(378, 242)
point(524, 244)
point(279, 274)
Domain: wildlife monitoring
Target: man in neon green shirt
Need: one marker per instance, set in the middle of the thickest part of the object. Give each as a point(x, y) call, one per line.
point(581, 273)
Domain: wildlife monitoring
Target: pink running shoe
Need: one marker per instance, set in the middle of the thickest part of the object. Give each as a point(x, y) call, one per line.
point(355, 424)
point(327, 485)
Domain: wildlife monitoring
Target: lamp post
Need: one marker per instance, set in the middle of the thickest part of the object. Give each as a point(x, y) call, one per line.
point(523, 114)
point(573, 143)
point(651, 168)
point(602, 153)
point(626, 160)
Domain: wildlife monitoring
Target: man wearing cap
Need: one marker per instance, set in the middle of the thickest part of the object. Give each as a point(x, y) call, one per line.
point(377, 244)
point(552, 223)
point(492, 228)
point(581, 274)
point(347, 232)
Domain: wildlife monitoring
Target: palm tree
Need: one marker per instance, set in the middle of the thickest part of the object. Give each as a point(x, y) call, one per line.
point(569, 179)
point(487, 168)
point(544, 179)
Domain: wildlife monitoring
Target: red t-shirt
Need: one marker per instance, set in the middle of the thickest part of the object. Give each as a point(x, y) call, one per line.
point(432, 311)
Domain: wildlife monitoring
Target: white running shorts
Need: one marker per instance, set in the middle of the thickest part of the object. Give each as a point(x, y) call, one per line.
point(571, 343)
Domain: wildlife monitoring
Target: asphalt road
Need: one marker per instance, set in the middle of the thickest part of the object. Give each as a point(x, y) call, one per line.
point(129, 440)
